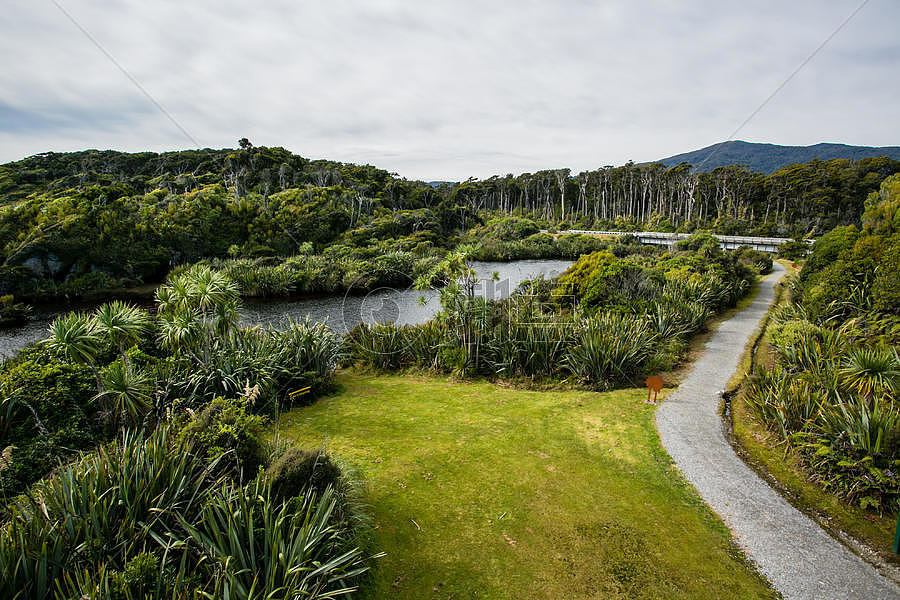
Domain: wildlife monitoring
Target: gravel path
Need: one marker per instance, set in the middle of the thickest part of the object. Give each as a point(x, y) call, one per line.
point(799, 558)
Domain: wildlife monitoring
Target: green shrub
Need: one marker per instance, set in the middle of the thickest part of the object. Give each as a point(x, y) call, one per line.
point(828, 248)
point(789, 334)
point(610, 349)
point(705, 243)
point(225, 432)
point(112, 505)
point(793, 250)
point(137, 580)
point(147, 518)
point(298, 471)
point(761, 261)
point(882, 208)
point(381, 346)
point(262, 547)
point(48, 413)
point(600, 280)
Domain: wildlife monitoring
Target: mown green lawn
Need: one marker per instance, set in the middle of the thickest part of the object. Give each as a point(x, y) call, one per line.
point(483, 491)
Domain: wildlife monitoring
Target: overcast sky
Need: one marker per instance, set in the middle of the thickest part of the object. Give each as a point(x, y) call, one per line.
point(447, 90)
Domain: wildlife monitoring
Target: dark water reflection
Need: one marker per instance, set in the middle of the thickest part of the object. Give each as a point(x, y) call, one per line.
point(343, 312)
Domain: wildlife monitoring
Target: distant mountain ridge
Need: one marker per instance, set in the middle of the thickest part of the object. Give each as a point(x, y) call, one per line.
point(768, 158)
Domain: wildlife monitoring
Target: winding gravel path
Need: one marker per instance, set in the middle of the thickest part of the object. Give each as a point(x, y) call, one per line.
point(799, 558)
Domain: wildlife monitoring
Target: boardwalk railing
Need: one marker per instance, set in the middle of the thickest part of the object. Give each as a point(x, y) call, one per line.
point(728, 242)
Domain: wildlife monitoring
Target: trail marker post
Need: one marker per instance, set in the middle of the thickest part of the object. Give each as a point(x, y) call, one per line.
point(297, 393)
point(654, 384)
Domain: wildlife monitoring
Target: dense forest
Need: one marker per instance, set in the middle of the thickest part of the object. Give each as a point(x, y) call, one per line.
point(73, 223)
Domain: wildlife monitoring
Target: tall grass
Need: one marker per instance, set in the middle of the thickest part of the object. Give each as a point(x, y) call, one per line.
point(835, 400)
point(104, 509)
point(610, 349)
point(262, 547)
point(146, 517)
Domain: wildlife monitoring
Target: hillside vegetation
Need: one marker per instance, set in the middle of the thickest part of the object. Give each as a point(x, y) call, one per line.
point(75, 223)
point(768, 158)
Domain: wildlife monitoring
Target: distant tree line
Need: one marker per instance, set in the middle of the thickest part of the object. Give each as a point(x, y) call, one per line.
point(796, 200)
point(75, 222)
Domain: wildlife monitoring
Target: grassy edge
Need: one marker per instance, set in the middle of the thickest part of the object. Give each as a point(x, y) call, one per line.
point(869, 536)
point(709, 518)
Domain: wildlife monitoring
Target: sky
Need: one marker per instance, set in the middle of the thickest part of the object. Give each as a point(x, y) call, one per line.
point(446, 90)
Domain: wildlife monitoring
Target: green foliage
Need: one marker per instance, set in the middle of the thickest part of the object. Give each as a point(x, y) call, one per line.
point(793, 250)
point(120, 325)
point(601, 279)
point(12, 312)
point(705, 243)
point(190, 353)
point(227, 434)
point(512, 238)
point(606, 322)
point(506, 229)
point(611, 349)
point(136, 580)
point(761, 261)
point(792, 334)
point(47, 413)
point(828, 248)
point(885, 290)
point(92, 220)
point(75, 224)
point(148, 518)
point(111, 506)
point(871, 371)
point(882, 214)
point(832, 393)
point(263, 547)
point(126, 394)
point(851, 274)
point(74, 337)
point(298, 470)
point(381, 346)
point(339, 269)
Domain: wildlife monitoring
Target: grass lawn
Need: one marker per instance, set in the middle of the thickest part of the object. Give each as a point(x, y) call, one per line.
point(484, 491)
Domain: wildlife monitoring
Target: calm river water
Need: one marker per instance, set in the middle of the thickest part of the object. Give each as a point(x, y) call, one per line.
point(343, 312)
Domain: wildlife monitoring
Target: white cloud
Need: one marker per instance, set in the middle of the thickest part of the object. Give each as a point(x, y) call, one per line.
point(447, 90)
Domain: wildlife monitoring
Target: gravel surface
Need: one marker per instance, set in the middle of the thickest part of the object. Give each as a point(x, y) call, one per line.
point(798, 557)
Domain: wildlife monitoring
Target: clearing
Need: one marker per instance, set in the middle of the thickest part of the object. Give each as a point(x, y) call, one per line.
point(485, 491)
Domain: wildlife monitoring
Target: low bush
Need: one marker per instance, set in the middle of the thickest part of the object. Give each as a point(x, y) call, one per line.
point(298, 470)
point(148, 517)
point(761, 261)
point(47, 413)
point(226, 433)
point(611, 349)
point(604, 322)
point(793, 250)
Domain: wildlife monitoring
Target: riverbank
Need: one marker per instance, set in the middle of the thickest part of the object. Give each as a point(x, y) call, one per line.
point(341, 311)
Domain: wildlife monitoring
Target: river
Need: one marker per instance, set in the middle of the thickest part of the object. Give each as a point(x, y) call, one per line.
point(341, 312)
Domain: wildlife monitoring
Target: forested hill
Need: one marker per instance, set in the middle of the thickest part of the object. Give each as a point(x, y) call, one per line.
point(75, 222)
point(247, 170)
point(768, 158)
